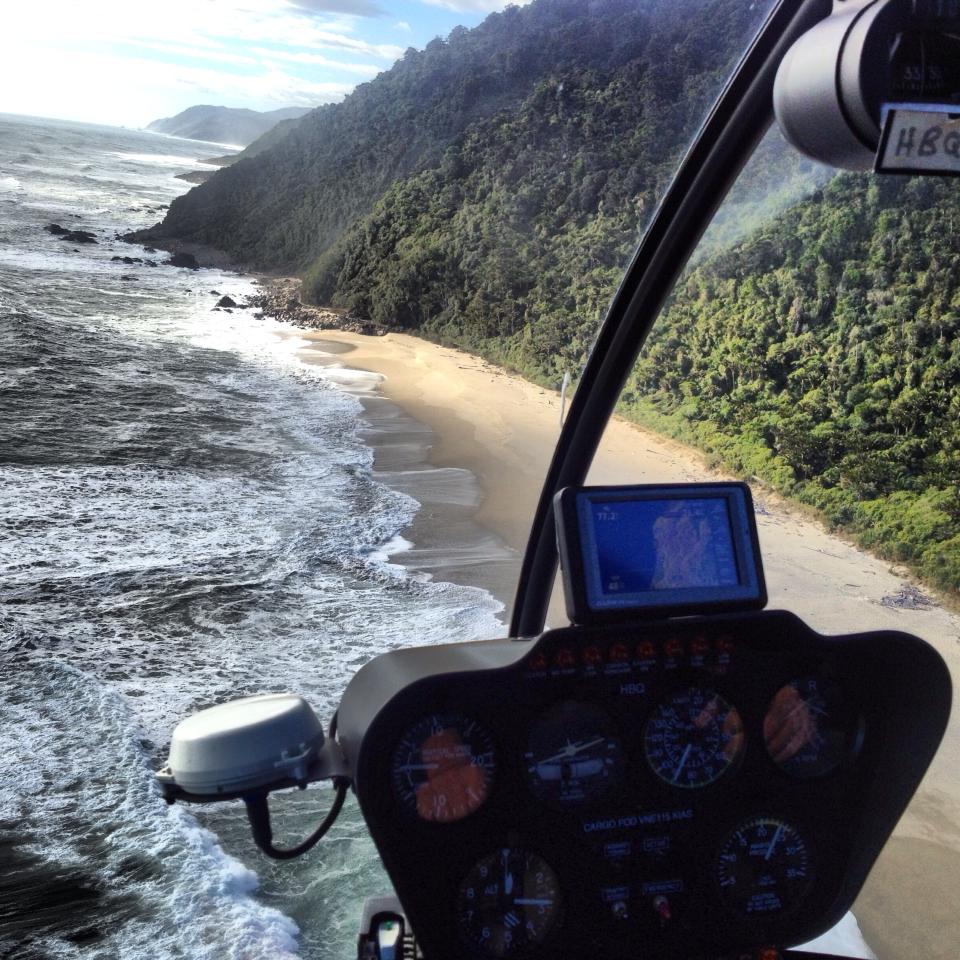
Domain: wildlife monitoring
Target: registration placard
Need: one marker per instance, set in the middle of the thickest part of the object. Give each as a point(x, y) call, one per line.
point(920, 138)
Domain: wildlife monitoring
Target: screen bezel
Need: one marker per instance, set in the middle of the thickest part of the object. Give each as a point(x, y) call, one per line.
point(580, 567)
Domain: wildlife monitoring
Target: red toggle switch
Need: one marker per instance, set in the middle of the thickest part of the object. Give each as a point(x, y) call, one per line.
point(661, 906)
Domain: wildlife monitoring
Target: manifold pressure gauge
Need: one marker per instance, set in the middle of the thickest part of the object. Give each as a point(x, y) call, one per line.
point(763, 867)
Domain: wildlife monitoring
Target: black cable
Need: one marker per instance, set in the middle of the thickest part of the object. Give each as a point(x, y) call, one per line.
point(258, 813)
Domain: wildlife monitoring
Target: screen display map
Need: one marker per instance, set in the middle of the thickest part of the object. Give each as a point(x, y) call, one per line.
point(644, 545)
point(658, 549)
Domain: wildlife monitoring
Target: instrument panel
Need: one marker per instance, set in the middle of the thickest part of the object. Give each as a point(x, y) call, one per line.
point(680, 788)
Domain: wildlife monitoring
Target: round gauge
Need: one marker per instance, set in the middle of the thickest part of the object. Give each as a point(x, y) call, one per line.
point(573, 754)
point(763, 867)
point(442, 767)
point(693, 738)
point(508, 902)
point(805, 728)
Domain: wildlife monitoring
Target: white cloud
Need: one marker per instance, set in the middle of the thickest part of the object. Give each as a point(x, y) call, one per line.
point(205, 23)
point(475, 6)
point(198, 53)
point(402, 25)
point(334, 41)
point(81, 61)
point(358, 8)
point(316, 59)
point(127, 90)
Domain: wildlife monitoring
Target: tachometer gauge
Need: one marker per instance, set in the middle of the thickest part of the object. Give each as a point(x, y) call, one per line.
point(573, 754)
point(443, 767)
point(508, 902)
point(806, 730)
point(693, 738)
point(763, 867)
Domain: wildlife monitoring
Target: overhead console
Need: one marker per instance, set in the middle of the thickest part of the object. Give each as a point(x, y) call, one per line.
point(642, 783)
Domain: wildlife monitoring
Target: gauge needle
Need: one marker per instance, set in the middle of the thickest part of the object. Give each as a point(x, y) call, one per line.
point(572, 749)
point(532, 902)
point(773, 842)
point(683, 760)
point(814, 708)
point(507, 875)
point(408, 767)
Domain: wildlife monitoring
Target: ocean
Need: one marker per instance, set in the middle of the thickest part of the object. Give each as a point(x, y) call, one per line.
point(189, 513)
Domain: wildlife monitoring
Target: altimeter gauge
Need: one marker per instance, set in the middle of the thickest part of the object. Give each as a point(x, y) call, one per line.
point(509, 902)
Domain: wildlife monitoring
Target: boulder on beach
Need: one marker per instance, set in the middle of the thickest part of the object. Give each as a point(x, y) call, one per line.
point(227, 302)
point(71, 236)
point(187, 260)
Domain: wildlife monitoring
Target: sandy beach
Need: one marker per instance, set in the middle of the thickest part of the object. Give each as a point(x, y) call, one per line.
point(473, 443)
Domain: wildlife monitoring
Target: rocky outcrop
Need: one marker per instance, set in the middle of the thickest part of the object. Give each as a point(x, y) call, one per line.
point(280, 299)
point(186, 260)
point(71, 236)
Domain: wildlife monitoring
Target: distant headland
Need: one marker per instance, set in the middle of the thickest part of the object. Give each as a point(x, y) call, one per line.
point(224, 124)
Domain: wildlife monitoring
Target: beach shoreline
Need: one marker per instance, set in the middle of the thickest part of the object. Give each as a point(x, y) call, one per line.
point(501, 430)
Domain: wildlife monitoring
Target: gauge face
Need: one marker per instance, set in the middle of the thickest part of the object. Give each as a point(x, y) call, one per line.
point(763, 867)
point(509, 901)
point(573, 754)
point(442, 768)
point(693, 738)
point(805, 728)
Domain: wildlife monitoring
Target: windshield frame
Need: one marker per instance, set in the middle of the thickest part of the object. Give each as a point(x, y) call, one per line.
point(728, 137)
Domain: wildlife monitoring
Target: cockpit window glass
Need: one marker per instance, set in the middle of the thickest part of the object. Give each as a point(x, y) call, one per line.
point(812, 347)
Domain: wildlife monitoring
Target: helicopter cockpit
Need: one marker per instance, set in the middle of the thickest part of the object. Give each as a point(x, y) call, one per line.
point(679, 772)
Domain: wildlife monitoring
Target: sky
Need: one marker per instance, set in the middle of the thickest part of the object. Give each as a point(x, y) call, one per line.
point(128, 62)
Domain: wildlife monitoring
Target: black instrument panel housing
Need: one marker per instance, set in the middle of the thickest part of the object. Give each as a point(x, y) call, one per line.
point(898, 694)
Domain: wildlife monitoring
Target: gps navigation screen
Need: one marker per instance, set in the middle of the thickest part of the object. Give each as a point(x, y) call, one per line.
point(660, 549)
point(644, 545)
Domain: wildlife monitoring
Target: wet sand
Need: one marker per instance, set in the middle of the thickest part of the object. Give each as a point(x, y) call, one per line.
point(473, 444)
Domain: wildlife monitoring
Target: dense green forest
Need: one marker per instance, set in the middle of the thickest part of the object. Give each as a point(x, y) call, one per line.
point(487, 192)
point(822, 355)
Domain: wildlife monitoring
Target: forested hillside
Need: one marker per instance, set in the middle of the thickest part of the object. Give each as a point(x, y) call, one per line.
point(823, 355)
point(514, 245)
point(284, 207)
